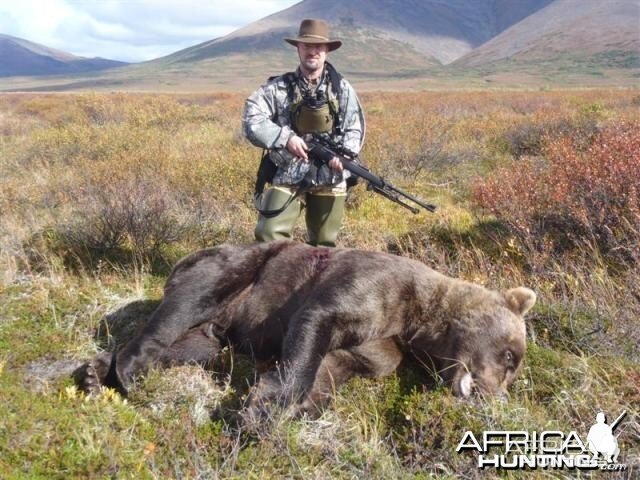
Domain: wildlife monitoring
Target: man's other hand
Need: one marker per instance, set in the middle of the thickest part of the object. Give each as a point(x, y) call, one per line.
point(336, 164)
point(297, 147)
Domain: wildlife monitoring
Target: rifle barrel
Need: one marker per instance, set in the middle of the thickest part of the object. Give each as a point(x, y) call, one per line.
point(428, 206)
point(325, 151)
point(394, 198)
point(617, 421)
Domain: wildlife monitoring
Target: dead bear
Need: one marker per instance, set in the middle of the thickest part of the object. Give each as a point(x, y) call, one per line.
point(325, 315)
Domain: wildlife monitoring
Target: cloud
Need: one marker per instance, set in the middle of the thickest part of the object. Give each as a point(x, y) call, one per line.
point(129, 30)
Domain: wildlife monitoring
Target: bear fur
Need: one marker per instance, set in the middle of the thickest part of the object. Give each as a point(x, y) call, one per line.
point(324, 315)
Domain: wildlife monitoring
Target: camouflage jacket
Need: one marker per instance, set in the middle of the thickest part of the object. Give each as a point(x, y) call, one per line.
point(266, 124)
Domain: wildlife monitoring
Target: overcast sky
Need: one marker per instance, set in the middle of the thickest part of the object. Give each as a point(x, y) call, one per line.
point(129, 30)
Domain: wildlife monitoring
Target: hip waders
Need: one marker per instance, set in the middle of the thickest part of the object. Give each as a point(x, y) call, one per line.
point(324, 211)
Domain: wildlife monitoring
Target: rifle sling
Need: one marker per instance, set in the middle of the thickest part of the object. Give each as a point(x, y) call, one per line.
point(257, 201)
point(303, 186)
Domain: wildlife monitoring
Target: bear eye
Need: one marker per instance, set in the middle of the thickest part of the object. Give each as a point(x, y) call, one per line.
point(510, 359)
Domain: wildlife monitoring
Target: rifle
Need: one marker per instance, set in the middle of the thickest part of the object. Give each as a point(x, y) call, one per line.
point(322, 148)
point(617, 420)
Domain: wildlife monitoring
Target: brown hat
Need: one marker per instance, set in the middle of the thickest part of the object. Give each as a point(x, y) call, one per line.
point(314, 31)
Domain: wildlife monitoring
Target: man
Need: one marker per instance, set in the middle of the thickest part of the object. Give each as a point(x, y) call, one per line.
point(313, 99)
point(602, 440)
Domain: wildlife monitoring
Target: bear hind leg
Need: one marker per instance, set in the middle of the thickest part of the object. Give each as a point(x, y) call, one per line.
point(90, 376)
point(197, 346)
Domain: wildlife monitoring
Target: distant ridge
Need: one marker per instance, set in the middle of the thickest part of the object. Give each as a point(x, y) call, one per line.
point(605, 32)
point(22, 57)
point(405, 43)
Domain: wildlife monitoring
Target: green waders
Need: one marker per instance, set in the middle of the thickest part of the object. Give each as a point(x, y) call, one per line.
point(323, 216)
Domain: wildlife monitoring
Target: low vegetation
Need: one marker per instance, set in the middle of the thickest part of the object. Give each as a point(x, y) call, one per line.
point(102, 193)
point(578, 193)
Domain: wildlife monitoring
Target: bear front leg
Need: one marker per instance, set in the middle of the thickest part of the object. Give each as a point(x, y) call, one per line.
point(266, 392)
point(302, 352)
point(305, 344)
point(376, 358)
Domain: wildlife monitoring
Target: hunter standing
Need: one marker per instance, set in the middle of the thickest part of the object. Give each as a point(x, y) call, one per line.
point(313, 99)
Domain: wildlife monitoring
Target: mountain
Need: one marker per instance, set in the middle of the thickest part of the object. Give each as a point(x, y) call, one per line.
point(568, 31)
point(405, 44)
point(381, 37)
point(445, 40)
point(22, 57)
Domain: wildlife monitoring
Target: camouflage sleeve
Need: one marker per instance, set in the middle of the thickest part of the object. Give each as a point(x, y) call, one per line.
point(260, 111)
point(282, 158)
point(353, 124)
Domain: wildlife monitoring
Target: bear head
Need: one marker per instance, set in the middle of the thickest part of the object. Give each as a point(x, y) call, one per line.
point(478, 340)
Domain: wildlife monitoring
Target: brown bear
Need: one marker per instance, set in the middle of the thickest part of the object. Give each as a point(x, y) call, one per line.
point(324, 315)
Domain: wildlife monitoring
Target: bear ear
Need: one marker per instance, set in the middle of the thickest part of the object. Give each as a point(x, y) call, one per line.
point(520, 300)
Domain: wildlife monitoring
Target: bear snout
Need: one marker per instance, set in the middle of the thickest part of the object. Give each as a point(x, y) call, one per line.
point(489, 384)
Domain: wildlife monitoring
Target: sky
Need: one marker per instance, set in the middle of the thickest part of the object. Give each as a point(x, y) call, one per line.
point(129, 30)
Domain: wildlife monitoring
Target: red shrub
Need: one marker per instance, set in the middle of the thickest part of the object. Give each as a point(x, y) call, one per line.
point(574, 193)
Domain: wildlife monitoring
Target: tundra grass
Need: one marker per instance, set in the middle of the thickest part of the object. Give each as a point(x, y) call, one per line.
point(102, 193)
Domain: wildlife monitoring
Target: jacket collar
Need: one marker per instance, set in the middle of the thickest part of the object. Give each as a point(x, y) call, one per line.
point(306, 84)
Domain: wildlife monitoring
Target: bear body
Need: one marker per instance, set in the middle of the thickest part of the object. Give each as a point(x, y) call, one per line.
point(325, 315)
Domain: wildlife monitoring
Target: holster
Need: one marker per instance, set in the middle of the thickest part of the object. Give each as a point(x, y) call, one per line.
point(266, 172)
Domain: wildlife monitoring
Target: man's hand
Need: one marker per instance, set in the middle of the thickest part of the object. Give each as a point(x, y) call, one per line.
point(297, 147)
point(336, 164)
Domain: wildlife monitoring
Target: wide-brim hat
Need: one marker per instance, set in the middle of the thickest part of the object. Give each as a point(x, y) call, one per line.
point(314, 31)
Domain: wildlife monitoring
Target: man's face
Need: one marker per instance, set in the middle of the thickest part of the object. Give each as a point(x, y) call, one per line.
point(312, 56)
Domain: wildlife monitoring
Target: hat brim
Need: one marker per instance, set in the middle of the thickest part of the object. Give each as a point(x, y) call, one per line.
point(331, 44)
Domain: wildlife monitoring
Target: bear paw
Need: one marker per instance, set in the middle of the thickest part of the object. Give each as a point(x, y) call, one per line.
point(90, 376)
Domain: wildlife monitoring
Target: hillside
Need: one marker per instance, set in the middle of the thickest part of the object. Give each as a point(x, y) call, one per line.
point(387, 36)
point(22, 57)
point(591, 31)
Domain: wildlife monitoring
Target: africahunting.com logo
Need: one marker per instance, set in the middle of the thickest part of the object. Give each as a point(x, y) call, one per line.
point(516, 450)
